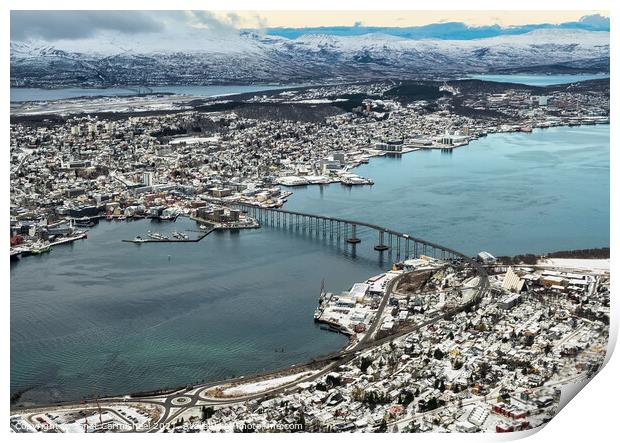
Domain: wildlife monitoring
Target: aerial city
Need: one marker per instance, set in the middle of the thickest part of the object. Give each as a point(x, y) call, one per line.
point(306, 221)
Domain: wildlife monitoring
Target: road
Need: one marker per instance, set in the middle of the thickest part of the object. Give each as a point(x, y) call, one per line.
point(176, 403)
point(193, 396)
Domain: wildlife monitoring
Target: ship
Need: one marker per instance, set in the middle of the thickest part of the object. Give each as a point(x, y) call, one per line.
point(85, 222)
point(352, 180)
point(319, 310)
point(317, 314)
point(40, 248)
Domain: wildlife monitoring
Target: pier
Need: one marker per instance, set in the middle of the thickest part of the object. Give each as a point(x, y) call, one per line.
point(171, 240)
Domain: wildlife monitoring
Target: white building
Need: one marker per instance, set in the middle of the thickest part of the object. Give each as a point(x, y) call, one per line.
point(147, 179)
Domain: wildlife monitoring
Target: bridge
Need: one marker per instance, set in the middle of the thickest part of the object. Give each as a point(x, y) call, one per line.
point(400, 244)
point(177, 401)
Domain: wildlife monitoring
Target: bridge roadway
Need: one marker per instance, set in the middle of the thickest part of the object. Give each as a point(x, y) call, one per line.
point(340, 227)
point(176, 402)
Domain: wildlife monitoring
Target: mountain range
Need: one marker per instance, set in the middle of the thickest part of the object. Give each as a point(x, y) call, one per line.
point(252, 57)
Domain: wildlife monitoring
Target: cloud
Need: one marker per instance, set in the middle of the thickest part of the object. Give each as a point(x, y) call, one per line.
point(208, 20)
point(261, 22)
point(57, 25)
point(596, 21)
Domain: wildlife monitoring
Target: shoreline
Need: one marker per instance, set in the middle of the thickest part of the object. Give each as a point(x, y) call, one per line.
point(113, 396)
point(317, 364)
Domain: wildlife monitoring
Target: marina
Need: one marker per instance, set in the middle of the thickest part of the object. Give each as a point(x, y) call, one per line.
point(177, 237)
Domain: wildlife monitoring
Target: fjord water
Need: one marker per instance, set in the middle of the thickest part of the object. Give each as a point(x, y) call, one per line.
point(537, 79)
point(506, 193)
point(40, 94)
point(106, 317)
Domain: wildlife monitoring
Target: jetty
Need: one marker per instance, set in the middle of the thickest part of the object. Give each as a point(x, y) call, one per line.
point(171, 240)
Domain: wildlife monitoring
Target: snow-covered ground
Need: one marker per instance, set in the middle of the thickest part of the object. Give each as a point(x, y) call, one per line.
point(578, 263)
point(191, 140)
point(252, 57)
point(318, 101)
point(264, 385)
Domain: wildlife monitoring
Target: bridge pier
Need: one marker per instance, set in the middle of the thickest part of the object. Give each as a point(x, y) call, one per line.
point(381, 246)
point(353, 239)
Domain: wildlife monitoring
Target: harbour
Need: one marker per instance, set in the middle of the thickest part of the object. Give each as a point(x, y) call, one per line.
point(276, 221)
point(281, 269)
point(177, 237)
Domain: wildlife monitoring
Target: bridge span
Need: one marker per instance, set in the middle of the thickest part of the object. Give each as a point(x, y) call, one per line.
point(401, 245)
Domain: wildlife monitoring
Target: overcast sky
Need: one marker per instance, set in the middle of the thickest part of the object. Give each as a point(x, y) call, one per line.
point(75, 25)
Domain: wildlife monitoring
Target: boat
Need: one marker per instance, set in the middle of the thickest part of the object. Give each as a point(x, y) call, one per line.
point(317, 314)
point(157, 236)
point(139, 239)
point(40, 248)
point(171, 217)
point(84, 222)
point(355, 180)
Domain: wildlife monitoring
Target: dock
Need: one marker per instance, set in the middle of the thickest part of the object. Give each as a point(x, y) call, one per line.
point(25, 250)
point(169, 240)
point(71, 239)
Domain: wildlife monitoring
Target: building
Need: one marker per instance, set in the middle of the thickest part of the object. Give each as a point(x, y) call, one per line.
point(509, 302)
point(339, 156)
point(220, 192)
point(218, 215)
point(486, 258)
point(512, 282)
point(147, 178)
point(328, 165)
point(395, 145)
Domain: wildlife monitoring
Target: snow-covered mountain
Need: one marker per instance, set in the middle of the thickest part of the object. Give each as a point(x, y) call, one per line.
point(250, 57)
